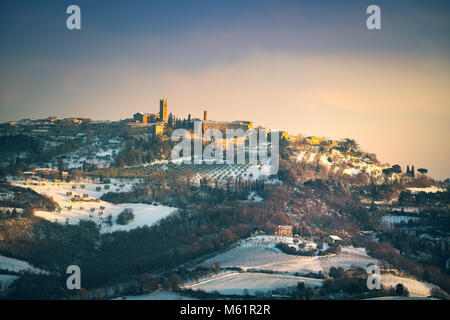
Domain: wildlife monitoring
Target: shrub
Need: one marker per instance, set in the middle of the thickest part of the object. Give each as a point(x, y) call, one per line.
point(125, 217)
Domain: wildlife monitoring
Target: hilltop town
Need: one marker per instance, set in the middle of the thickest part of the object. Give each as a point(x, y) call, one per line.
point(85, 192)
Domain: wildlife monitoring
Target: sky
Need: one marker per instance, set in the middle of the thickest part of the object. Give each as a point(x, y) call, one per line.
point(308, 67)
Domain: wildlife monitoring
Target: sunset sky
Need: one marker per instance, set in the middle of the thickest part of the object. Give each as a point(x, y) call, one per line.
point(309, 67)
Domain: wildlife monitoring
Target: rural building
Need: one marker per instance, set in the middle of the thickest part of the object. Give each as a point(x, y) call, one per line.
point(155, 128)
point(141, 117)
point(334, 239)
point(28, 174)
point(70, 121)
point(284, 231)
point(145, 117)
point(284, 135)
point(158, 128)
point(224, 125)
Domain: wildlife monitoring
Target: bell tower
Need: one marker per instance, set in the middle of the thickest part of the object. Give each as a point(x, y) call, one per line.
point(163, 110)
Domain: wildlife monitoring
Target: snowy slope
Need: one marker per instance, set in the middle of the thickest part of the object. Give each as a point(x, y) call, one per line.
point(74, 211)
point(250, 282)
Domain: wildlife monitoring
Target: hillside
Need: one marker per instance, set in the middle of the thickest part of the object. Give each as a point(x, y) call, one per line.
point(106, 196)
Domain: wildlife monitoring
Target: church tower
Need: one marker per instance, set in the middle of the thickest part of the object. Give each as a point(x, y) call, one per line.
point(163, 110)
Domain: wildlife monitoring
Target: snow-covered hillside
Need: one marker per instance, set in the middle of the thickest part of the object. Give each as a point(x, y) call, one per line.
point(339, 162)
point(260, 253)
point(250, 282)
point(414, 287)
point(88, 205)
point(16, 265)
point(432, 189)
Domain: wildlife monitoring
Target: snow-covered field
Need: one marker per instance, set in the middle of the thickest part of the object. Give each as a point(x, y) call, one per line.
point(251, 282)
point(266, 259)
point(432, 189)
point(348, 257)
point(259, 253)
point(16, 265)
point(413, 286)
point(96, 210)
point(223, 172)
point(389, 219)
point(335, 160)
point(352, 171)
point(412, 297)
point(6, 280)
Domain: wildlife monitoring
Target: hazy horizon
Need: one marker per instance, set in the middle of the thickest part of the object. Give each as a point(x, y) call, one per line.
point(307, 68)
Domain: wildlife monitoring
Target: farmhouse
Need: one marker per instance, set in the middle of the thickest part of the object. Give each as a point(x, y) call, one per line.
point(146, 117)
point(284, 231)
point(156, 128)
point(334, 239)
point(141, 117)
